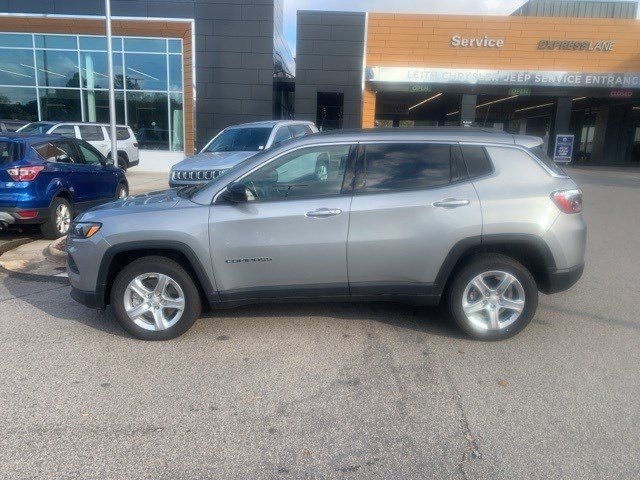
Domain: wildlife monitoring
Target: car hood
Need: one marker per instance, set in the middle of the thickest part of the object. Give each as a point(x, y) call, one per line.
point(212, 160)
point(152, 201)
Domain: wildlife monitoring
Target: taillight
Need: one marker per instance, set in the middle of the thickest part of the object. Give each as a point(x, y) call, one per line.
point(568, 201)
point(25, 174)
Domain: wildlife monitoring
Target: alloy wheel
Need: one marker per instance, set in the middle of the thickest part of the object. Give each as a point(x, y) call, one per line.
point(493, 300)
point(154, 301)
point(62, 218)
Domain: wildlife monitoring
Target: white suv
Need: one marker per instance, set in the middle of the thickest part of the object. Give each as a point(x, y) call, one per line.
point(97, 134)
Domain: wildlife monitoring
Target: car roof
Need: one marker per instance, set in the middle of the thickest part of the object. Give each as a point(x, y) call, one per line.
point(435, 134)
point(271, 123)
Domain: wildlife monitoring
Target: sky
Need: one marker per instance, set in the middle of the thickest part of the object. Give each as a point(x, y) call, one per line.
point(480, 7)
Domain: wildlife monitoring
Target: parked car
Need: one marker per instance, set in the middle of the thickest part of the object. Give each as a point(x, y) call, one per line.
point(477, 219)
point(11, 125)
point(46, 179)
point(234, 144)
point(97, 134)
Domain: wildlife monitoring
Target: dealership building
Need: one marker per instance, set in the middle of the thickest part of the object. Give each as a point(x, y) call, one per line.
point(184, 69)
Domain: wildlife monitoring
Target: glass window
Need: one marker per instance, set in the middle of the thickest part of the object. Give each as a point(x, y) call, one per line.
point(57, 68)
point(305, 173)
point(16, 67)
point(66, 153)
point(300, 130)
point(60, 105)
point(175, 46)
point(91, 133)
point(177, 122)
point(96, 106)
point(37, 127)
point(122, 133)
point(548, 161)
point(15, 40)
point(9, 152)
point(402, 166)
point(93, 43)
point(55, 41)
point(65, 130)
point(47, 151)
point(95, 70)
point(148, 118)
point(91, 155)
point(18, 103)
point(476, 159)
point(282, 134)
point(175, 72)
point(250, 139)
point(146, 71)
point(145, 45)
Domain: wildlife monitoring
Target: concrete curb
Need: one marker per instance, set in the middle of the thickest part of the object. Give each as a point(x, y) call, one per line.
point(11, 244)
point(54, 251)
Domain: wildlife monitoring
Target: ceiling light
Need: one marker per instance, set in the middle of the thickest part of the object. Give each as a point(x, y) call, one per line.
point(425, 101)
point(497, 101)
point(534, 107)
point(453, 113)
point(577, 99)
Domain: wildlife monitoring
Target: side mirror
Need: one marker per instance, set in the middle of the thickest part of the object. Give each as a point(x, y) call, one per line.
point(235, 193)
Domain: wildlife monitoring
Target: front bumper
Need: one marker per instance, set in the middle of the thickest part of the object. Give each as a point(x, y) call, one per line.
point(564, 279)
point(88, 299)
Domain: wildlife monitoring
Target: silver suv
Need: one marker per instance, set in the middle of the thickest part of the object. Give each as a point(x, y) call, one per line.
point(478, 220)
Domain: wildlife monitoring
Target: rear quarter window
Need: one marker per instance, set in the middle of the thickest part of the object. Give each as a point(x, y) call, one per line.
point(476, 160)
point(9, 152)
point(122, 133)
point(541, 155)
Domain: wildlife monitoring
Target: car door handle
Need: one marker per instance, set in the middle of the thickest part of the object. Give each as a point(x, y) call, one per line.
point(451, 203)
point(323, 212)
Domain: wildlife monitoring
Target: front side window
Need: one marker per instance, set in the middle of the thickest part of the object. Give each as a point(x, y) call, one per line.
point(90, 154)
point(305, 173)
point(36, 127)
point(250, 139)
point(406, 166)
point(91, 133)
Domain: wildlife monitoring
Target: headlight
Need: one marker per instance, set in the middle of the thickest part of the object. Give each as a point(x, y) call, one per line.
point(84, 229)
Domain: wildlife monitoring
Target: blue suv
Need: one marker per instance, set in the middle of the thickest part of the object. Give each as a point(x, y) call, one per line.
point(46, 179)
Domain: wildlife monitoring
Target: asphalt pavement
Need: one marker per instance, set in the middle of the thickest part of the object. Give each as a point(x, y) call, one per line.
point(335, 390)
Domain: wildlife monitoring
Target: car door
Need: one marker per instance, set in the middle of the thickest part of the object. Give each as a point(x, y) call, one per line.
point(105, 179)
point(77, 174)
point(290, 238)
point(412, 203)
point(95, 136)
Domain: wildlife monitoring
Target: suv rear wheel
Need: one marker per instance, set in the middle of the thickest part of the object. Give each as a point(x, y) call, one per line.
point(59, 219)
point(493, 297)
point(154, 298)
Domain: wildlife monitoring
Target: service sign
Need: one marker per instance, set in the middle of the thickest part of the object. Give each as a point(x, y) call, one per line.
point(563, 151)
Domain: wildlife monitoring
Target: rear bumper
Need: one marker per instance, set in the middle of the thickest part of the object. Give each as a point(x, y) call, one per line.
point(14, 213)
point(564, 279)
point(6, 219)
point(133, 163)
point(88, 299)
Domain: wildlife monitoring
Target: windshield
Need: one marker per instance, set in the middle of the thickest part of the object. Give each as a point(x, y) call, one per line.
point(9, 152)
point(36, 127)
point(240, 140)
point(548, 161)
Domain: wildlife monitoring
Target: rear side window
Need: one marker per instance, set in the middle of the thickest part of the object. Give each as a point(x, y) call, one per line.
point(91, 133)
point(60, 152)
point(9, 152)
point(300, 130)
point(65, 130)
point(122, 133)
point(547, 161)
point(402, 166)
point(477, 161)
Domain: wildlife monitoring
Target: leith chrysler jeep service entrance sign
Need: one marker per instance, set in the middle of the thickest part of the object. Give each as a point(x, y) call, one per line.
point(563, 151)
point(502, 77)
point(478, 42)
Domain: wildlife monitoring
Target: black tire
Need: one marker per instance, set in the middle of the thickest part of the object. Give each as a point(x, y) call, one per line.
point(49, 228)
point(163, 265)
point(485, 263)
point(122, 187)
point(122, 162)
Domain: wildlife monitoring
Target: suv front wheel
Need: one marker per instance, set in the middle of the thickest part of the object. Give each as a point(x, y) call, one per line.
point(493, 297)
point(154, 298)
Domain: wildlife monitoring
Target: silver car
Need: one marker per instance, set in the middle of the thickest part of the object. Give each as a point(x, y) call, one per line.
point(234, 144)
point(478, 220)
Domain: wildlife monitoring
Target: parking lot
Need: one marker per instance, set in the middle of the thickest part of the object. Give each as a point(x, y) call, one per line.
point(335, 390)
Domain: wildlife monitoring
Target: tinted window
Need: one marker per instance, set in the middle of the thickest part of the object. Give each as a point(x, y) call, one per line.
point(477, 161)
point(305, 173)
point(282, 134)
point(8, 152)
point(66, 153)
point(91, 133)
point(548, 161)
point(90, 154)
point(122, 133)
point(300, 130)
point(400, 166)
point(241, 140)
point(65, 130)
